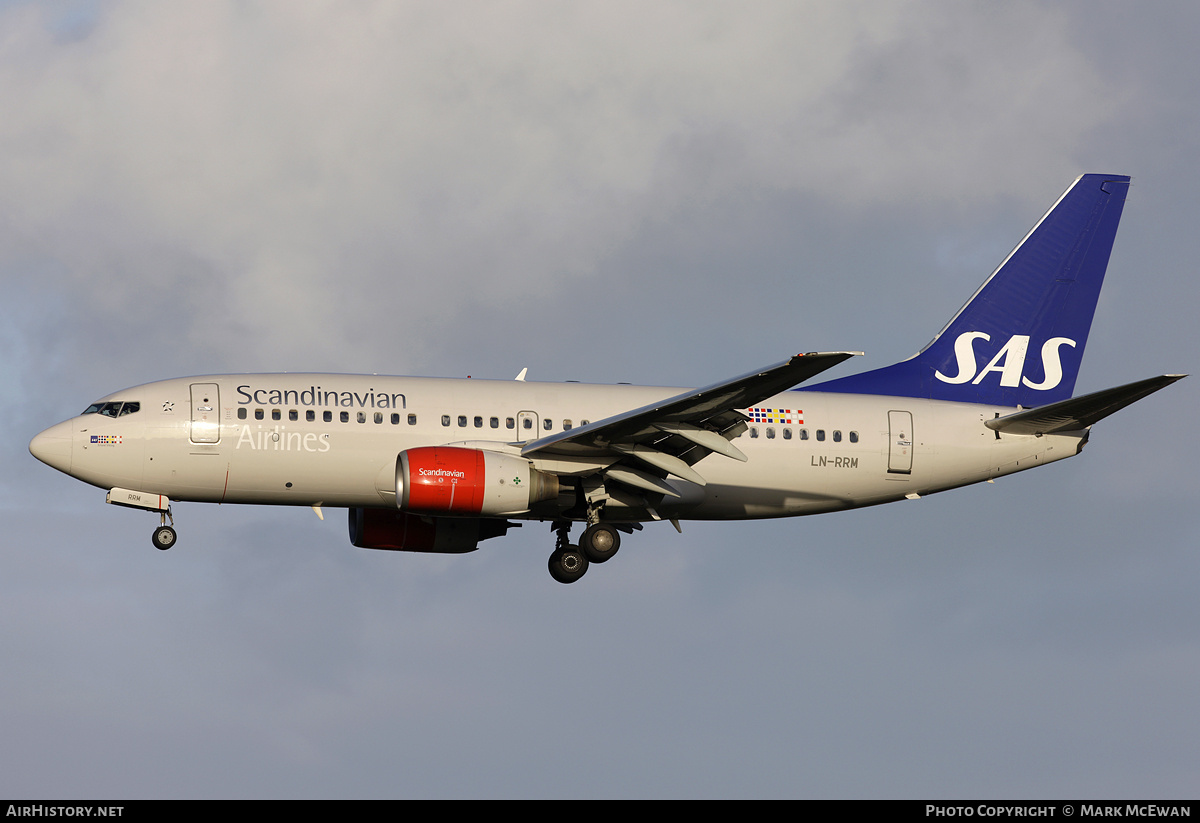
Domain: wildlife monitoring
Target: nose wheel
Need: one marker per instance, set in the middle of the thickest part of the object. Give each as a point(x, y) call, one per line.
point(164, 536)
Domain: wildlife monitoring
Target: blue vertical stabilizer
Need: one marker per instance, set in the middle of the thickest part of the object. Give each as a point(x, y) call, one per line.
point(1019, 340)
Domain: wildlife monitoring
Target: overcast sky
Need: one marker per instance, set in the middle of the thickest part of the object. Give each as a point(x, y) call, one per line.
point(663, 193)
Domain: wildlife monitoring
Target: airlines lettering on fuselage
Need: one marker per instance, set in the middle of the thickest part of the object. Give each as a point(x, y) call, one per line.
point(315, 396)
point(277, 438)
point(1009, 362)
point(417, 482)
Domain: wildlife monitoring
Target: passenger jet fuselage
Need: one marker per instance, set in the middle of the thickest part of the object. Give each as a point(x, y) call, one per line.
point(428, 464)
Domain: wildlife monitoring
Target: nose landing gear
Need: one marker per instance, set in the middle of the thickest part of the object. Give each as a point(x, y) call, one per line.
point(164, 536)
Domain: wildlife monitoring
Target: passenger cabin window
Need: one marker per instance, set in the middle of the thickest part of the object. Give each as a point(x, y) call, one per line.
point(242, 413)
point(509, 423)
point(837, 436)
point(275, 414)
point(259, 414)
point(853, 437)
point(345, 417)
point(445, 420)
point(478, 421)
point(310, 416)
point(821, 435)
point(327, 416)
point(412, 420)
point(293, 415)
point(494, 422)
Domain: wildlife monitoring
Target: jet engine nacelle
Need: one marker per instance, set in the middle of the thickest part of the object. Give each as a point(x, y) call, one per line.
point(401, 531)
point(458, 481)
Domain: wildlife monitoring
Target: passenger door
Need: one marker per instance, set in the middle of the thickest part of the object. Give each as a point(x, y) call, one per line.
point(900, 442)
point(206, 408)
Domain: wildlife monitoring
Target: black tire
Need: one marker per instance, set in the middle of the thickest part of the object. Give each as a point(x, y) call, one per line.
point(163, 538)
point(600, 542)
point(568, 565)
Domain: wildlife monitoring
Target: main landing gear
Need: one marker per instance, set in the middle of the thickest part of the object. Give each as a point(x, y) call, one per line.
point(164, 536)
point(568, 562)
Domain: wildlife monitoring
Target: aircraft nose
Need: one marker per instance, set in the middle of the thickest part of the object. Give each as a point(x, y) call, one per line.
point(53, 447)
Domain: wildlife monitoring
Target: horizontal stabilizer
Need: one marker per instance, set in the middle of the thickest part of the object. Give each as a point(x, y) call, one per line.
point(1079, 412)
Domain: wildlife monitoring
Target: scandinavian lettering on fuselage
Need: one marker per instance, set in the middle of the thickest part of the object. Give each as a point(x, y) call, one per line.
point(318, 397)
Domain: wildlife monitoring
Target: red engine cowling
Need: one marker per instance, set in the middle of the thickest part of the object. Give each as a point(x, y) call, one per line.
point(401, 531)
point(457, 481)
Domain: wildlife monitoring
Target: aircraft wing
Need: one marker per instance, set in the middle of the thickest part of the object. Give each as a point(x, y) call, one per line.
point(1079, 412)
point(638, 448)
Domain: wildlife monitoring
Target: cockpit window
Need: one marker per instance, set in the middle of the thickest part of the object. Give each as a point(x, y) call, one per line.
point(113, 408)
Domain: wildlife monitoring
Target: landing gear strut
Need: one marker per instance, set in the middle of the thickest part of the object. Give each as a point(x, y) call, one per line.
point(164, 536)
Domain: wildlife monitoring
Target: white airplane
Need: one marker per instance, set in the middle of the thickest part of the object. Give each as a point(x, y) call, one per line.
point(438, 465)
